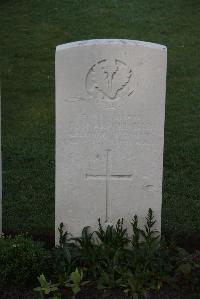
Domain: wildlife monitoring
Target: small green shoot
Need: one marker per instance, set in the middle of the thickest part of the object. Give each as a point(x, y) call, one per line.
point(76, 282)
point(47, 288)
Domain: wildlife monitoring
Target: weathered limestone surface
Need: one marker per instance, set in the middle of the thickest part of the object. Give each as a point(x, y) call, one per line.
point(110, 107)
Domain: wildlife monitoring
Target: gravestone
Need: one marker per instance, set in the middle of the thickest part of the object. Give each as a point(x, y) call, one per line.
point(110, 103)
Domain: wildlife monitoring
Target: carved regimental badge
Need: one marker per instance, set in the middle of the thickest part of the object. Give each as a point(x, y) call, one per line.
point(109, 79)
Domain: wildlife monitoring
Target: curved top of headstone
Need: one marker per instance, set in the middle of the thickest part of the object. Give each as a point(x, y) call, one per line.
point(104, 42)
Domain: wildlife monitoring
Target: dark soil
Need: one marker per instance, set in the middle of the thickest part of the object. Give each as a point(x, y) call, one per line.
point(91, 293)
point(16, 294)
point(118, 294)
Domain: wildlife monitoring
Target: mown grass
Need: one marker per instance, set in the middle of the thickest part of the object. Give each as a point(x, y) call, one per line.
point(29, 33)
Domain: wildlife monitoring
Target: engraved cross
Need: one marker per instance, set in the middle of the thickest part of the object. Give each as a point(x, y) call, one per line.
point(107, 177)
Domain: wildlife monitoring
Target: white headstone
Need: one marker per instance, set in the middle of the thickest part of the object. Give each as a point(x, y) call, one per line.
point(110, 107)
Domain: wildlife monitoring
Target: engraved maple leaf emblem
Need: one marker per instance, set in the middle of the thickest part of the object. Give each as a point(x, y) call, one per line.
point(110, 77)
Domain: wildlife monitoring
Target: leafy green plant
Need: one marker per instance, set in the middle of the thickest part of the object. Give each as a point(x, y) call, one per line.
point(76, 281)
point(108, 279)
point(85, 246)
point(141, 274)
point(113, 236)
point(107, 267)
point(146, 262)
point(47, 288)
point(63, 263)
point(187, 270)
point(64, 256)
point(149, 235)
point(85, 242)
point(133, 285)
point(111, 246)
point(55, 290)
point(138, 265)
point(63, 235)
point(136, 233)
point(22, 260)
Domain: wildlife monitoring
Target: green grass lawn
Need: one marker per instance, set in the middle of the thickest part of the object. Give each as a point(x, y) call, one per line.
point(29, 33)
